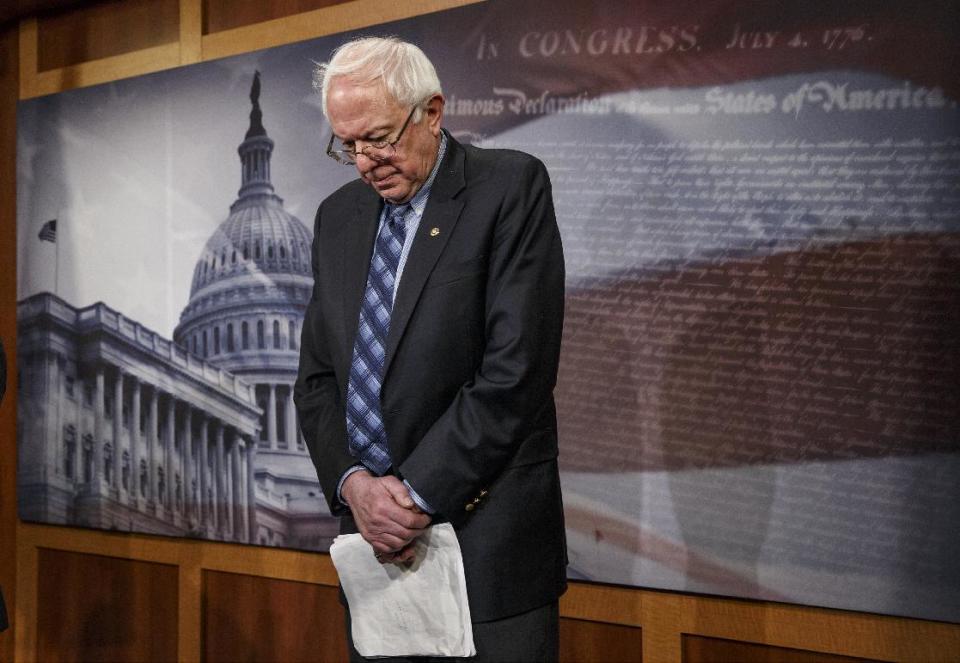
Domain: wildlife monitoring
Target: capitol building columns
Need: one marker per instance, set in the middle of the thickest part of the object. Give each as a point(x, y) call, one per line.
point(203, 507)
point(280, 428)
point(152, 424)
point(135, 442)
point(116, 423)
point(199, 469)
point(239, 496)
point(291, 428)
point(215, 462)
point(168, 443)
point(56, 457)
point(251, 492)
point(218, 492)
point(272, 416)
point(228, 490)
point(95, 485)
point(186, 465)
point(117, 444)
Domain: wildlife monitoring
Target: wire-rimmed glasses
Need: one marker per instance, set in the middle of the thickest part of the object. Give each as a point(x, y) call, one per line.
point(377, 150)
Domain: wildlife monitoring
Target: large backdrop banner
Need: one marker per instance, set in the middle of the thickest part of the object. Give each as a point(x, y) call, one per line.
point(760, 209)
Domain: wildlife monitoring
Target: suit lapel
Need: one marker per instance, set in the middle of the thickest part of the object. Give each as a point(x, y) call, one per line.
point(433, 233)
point(358, 239)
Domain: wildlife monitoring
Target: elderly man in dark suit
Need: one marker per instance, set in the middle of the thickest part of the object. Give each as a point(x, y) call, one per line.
point(431, 342)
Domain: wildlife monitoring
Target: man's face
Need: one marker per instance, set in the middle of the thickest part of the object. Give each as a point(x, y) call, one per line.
point(359, 114)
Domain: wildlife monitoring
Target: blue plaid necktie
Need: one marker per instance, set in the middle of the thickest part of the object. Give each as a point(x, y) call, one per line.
point(365, 430)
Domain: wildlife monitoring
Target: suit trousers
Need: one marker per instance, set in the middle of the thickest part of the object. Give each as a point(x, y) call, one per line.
point(532, 636)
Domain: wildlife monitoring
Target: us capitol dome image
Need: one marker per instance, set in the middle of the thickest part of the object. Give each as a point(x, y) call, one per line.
point(120, 428)
point(250, 289)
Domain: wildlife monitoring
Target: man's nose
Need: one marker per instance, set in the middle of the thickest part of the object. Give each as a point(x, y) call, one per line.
point(365, 164)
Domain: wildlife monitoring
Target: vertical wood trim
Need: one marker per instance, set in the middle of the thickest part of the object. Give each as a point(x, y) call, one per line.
point(28, 57)
point(661, 620)
point(191, 28)
point(25, 621)
point(189, 644)
point(9, 91)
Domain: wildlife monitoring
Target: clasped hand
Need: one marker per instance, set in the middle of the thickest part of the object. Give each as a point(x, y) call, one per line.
point(386, 515)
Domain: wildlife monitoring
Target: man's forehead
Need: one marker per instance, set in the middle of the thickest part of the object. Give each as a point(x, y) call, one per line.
point(355, 109)
point(371, 92)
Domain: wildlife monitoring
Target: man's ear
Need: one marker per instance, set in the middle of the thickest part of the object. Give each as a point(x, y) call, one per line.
point(434, 112)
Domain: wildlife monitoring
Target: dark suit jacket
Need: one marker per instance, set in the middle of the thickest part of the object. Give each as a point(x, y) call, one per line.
point(471, 363)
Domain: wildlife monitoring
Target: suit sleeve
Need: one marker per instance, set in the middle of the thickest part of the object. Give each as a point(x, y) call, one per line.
point(510, 400)
point(317, 395)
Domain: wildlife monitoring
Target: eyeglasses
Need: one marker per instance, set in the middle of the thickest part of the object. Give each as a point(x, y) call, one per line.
point(377, 150)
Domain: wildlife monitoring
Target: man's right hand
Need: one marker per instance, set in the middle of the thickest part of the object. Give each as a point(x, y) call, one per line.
point(386, 515)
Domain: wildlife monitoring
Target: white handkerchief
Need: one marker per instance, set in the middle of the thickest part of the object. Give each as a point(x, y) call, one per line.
point(420, 610)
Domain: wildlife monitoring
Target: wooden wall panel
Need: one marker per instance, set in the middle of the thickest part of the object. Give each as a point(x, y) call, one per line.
point(219, 15)
point(104, 30)
point(582, 641)
point(96, 608)
point(331, 19)
point(247, 618)
point(698, 649)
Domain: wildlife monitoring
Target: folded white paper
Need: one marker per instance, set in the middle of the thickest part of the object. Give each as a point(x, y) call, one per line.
point(420, 610)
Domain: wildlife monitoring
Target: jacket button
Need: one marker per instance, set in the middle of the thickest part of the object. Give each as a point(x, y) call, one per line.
point(470, 507)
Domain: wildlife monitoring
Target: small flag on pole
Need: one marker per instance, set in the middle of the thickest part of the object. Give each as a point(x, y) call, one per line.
point(48, 233)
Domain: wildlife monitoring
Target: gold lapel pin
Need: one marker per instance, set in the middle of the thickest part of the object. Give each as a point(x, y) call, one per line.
point(434, 232)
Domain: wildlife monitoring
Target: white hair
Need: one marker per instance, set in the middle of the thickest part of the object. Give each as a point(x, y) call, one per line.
point(402, 68)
